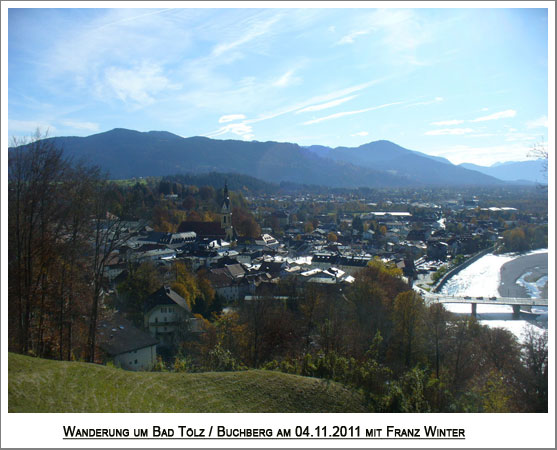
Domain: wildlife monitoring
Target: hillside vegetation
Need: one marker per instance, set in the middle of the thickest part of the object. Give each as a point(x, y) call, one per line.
point(40, 385)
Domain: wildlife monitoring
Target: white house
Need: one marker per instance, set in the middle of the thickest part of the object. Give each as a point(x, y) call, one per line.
point(164, 313)
point(125, 345)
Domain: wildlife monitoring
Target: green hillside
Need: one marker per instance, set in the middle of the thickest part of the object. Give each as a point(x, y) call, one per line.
point(39, 385)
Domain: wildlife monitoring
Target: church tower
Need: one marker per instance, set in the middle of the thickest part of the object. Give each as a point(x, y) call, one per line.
point(226, 215)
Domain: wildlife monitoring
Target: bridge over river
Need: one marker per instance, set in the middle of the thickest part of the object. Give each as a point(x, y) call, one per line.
point(515, 302)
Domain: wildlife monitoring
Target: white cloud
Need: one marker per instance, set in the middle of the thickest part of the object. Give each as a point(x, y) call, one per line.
point(537, 123)
point(349, 113)
point(517, 137)
point(231, 117)
point(137, 84)
point(87, 59)
point(91, 126)
point(484, 109)
point(330, 104)
point(386, 18)
point(315, 101)
point(240, 129)
point(399, 31)
point(287, 79)
point(449, 131)
point(360, 133)
point(30, 127)
point(500, 115)
point(482, 135)
point(403, 32)
point(448, 122)
point(258, 29)
point(88, 46)
point(132, 18)
point(428, 102)
point(349, 38)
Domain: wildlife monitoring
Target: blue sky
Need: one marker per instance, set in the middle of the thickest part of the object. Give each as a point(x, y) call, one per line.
point(467, 84)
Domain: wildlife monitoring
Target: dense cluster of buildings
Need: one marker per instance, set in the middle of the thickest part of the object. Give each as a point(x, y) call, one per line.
point(241, 269)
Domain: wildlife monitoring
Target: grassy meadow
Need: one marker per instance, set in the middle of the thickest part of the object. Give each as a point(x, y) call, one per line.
point(40, 385)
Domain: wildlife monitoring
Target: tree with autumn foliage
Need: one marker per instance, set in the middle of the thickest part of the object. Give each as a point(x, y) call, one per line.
point(62, 233)
point(244, 223)
point(195, 289)
point(184, 283)
point(142, 280)
point(409, 328)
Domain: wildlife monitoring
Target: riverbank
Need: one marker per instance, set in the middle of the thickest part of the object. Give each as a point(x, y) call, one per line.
point(480, 279)
point(506, 275)
point(514, 283)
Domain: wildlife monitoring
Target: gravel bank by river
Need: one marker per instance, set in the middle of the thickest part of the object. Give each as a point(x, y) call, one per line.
point(511, 271)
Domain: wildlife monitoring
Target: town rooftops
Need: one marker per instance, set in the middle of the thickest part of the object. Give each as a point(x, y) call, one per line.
point(236, 270)
point(266, 239)
point(118, 335)
point(159, 253)
point(219, 278)
point(495, 208)
point(165, 296)
point(386, 213)
point(178, 238)
point(203, 229)
point(328, 258)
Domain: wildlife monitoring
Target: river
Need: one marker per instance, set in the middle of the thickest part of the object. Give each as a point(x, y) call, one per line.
point(507, 275)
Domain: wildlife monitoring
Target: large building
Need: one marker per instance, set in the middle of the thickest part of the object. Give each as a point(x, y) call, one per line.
point(213, 230)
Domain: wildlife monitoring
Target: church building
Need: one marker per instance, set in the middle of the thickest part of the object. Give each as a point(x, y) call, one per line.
point(226, 215)
point(214, 230)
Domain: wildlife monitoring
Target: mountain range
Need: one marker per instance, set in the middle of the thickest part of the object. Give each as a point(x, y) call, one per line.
point(127, 153)
point(526, 171)
point(416, 166)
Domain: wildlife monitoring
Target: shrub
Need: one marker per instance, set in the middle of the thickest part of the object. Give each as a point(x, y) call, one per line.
point(221, 360)
point(159, 366)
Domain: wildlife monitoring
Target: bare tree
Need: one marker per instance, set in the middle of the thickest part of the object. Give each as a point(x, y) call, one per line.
point(256, 316)
point(82, 180)
point(436, 321)
point(539, 150)
point(36, 211)
point(61, 237)
point(109, 234)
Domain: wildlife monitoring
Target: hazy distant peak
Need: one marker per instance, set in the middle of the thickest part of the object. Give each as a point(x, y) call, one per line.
point(531, 170)
point(381, 142)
